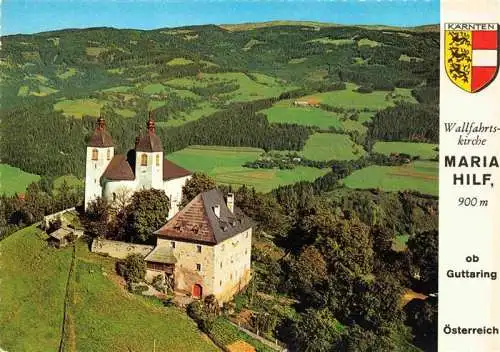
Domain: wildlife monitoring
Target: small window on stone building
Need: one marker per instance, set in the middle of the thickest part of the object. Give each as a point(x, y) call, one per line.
point(246, 251)
point(144, 160)
point(198, 267)
point(231, 276)
point(246, 234)
point(157, 159)
point(172, 244)
point(220, 283)
point(108, 154)
point(198, 248)
point(221, 264)
point(114, 196)
point(95, 154)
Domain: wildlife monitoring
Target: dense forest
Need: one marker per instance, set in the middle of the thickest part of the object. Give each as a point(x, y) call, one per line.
point(342, 258)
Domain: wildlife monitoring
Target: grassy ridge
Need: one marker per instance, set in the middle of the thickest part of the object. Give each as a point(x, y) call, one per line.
point(33, 287)
point(102, 316)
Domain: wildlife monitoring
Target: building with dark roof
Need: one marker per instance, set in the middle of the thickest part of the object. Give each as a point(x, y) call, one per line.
point(115, 176)
point(205, 248)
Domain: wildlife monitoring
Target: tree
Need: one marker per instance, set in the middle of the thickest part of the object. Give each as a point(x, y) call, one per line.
point(316, 331)
point(360, 340)
point(96, 217)
point(37, 203)
point(197, 184)
point(134, 268)
point(147, 212)
point(421, 316)
point(423, 255)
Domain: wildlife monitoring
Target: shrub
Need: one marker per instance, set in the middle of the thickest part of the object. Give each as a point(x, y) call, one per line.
point(364, 89)
point(133, 269)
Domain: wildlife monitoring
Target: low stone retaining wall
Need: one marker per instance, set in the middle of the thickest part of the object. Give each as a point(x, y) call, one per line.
point(120, 250)
point(48, 218)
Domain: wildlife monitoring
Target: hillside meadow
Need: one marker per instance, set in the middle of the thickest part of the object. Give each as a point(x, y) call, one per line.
point(102, 316)
point(421, 176)
point(285, 112)
point(423, 150)
point(331, 146)
point(14, 180)
point(350, 99)
point(224, 164)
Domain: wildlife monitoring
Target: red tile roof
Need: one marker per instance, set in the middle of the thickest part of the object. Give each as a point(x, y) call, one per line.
point(101, 138)
point(197, 222)
point(171, 170)
point(119, 169)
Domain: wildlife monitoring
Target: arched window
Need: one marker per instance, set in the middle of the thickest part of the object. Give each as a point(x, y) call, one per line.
point(95, 154)
point(144, 160)
point(109, 154)
point(157, 159)
point(114, 196)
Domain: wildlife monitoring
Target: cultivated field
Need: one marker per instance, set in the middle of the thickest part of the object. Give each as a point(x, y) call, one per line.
point(79, 107)
point(102, 316)
point(420, 176)
point(331, 146)
point(350, 99)
point(14, 180)
point(285, 112)
point(224, 164)
point(251, 87)
point(424, 150)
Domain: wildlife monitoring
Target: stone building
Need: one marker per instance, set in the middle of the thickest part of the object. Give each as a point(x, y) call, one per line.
point(114, 176)
point(205, 248)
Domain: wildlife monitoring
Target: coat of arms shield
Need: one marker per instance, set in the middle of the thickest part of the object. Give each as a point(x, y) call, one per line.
point(471, 54)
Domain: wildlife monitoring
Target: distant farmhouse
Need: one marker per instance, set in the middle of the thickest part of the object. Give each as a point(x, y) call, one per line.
point(116, 176)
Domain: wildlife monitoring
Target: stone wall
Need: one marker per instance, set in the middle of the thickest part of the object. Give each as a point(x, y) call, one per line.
point(186, 273)
point(48, 218)
point(232, 270)
point(118, 249)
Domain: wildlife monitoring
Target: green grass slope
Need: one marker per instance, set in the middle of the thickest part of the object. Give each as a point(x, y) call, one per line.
point(419, 176)
point(224, 164)
point(102, 315)
point(14, 180)
point(33, 286)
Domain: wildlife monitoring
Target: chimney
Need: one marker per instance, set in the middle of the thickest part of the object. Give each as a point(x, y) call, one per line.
point(217, 210)
point(230, 202)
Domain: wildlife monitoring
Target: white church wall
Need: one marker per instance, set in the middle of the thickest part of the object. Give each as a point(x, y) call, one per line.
point(118, 189)
point(173, 189)
point(150, 175)
point(94, 170)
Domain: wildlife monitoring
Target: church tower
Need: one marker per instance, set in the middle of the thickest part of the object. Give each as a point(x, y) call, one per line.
point(100, 151)
point(149, 159)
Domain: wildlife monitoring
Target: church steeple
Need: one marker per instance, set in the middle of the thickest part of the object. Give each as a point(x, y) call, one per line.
point(150, 142)
point(101, 138)
point(151, 124)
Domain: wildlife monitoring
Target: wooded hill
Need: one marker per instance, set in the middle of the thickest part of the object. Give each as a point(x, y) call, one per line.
point(55, 84)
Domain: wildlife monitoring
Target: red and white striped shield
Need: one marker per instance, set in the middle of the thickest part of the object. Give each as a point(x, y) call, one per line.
point(471, 54)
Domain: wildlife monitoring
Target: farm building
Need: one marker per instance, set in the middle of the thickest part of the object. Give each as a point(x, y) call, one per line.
point(62, 237)
point(117, 177)
point(205, 248)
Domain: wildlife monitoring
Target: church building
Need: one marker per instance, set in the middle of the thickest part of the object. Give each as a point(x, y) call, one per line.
point(113, 176)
